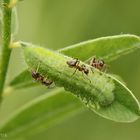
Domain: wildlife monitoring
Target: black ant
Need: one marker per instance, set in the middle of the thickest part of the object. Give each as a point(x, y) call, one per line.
point(41, 79)
point(99, 64)
point(75, 64)
point(38, 77)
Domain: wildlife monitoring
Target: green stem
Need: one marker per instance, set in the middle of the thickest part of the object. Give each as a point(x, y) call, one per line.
point(6, 37)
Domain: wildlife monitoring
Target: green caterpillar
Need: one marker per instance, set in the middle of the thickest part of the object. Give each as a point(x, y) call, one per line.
point(94, 89)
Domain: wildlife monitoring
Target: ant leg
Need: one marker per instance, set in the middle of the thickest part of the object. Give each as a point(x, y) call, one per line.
point(105, 68)
point(86, 77)
point(83, 74)
point(92, 60)
point(92, 70)
point(78, 62)
point(74, 72)
point(36, 75)
point(89, 60)
point(89, 79)
point(52, 85)
point(34, 67)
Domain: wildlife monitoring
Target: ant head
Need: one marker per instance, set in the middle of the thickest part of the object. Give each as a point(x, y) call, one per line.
point(101, 63)
point(35, 74)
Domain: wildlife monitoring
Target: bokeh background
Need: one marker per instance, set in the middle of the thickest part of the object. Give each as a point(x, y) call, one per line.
point(60, 23)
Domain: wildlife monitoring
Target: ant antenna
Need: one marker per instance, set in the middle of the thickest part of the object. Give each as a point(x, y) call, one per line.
point(38, 67)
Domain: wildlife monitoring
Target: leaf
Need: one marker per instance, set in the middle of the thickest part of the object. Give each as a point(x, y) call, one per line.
point(55, 106)
point(119, 78)
point(24, 79)
point(107, 48)
point(41, 113)
point(101, 92)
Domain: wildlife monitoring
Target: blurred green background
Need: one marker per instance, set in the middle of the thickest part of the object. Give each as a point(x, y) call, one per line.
point(60, 23)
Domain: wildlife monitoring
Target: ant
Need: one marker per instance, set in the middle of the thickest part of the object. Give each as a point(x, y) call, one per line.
point(99, 64)
point(41, 79)
point(75, 64)
point(38, 77)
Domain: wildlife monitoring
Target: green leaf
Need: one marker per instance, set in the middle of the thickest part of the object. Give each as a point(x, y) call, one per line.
point(41, 113)
point(24, 79)
point(100, 92)
point(107, 48)
point(55, 106)
point(119, 78)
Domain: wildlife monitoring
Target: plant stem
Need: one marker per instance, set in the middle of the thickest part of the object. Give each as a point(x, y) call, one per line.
point(6, 38)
